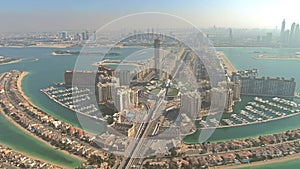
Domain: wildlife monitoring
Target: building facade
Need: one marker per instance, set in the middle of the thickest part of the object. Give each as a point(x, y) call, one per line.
point(190, 104)
point(267, 86)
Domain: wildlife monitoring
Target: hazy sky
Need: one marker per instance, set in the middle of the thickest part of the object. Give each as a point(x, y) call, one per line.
point(50, 15)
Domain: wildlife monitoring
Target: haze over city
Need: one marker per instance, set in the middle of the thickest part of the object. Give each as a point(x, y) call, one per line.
point(150, 84)
point(31, 15)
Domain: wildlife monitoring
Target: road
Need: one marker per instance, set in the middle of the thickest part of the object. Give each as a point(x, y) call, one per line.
point(144, 131)
point(136, 145)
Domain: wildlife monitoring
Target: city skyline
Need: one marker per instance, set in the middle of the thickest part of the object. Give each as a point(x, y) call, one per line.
point(32, 16)
point(150, 84)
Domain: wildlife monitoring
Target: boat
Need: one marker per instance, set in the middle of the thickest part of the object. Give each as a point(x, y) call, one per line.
point(64, 52)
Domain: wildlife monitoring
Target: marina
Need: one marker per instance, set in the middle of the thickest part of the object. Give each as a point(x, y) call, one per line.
point(75, 99)
point(258, 110)
point(238, 56)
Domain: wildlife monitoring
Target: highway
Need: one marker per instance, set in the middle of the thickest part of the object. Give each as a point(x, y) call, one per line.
point(145, 132)
point(136, 146)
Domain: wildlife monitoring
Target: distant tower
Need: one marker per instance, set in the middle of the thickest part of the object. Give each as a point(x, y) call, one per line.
point(157, 44)
point(292, 35)
point(83, 35)
point(77, 37)
point(95, 35)
point(87, 35)
point(230, 34)
point(297, 35)
point(64, 35)
point(286, 36)
point(282, 33)
point(152, 34)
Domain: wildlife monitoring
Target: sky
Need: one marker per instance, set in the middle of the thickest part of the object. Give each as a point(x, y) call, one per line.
point(55, 15)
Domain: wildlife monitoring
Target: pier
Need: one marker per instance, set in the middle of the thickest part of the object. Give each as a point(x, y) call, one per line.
point(258, 111)
point(75, 99)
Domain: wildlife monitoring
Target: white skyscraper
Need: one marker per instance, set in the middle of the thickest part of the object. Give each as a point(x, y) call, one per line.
point(190, 103)
point(121, 98)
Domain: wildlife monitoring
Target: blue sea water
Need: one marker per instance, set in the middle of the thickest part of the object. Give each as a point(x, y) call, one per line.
point(48, 69)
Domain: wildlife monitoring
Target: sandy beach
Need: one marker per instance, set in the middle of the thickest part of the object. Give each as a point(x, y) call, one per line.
point(19, 83)
point(230, 67)
point(41, 46)
point(261, 163)
point(15, 61)
point(31, 134)
point(277, 57)
point(51, 46)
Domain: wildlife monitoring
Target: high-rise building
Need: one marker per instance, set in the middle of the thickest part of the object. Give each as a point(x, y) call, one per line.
point(134, 98)
point(95, 35)
point(85, 35)
point(122, 99)
point(77, 37)
point(104, 92)
point(230, 34)
point(297, 36)
point(157, 44)
point(125, 76)
point(236, 89)
point(229, 100)
point(286, 37)
point(282, 32)
point(190, 104)
point(81, 78)
point(292, 35)
point(64, 35)
point(267, 86)
point(221, 99)
point(109, 70)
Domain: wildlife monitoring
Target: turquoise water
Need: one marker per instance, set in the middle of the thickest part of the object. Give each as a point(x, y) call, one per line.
point(44, 69)
point(49, 69)
point(13, 137)
point(290, 164)
point(242, 58)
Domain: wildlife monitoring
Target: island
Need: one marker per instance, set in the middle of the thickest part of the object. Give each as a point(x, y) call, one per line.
point(17, 108)
point(295, 57)
point(69, 52)
point(7, 60)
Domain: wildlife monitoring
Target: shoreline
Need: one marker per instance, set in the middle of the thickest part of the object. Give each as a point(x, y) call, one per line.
point(12, 62)
point(35, 137)
point(19, 83)
point(58, 102)
point(251, 123)
point(276, 58)
point(31, 156)
point(224, 58)
point(41, 46)
point(261, 163)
